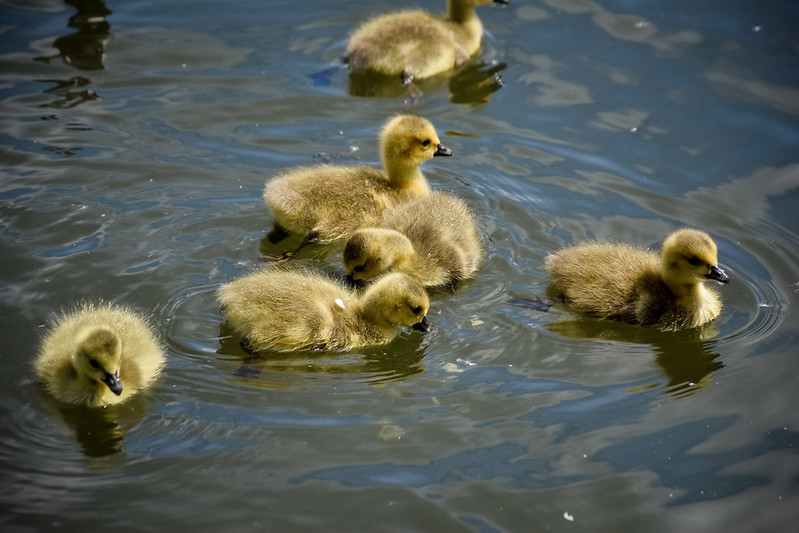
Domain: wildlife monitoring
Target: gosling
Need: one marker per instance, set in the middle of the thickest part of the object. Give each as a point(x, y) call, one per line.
point(99, 354)
point(276, 309)
point(416, 44)
point(630, 284)
point(329, 202)
point(434, 240)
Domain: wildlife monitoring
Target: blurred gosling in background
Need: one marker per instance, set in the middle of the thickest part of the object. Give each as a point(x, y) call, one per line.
point(416, 44)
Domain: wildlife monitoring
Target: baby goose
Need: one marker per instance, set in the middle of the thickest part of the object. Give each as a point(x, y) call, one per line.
point(634, 285)
point(275, 309)
point(328, 202)
point(434, 239)
point(99, 354)
point(416, 44)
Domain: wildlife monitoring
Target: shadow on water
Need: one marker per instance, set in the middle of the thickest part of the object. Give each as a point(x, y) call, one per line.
point(471, 85)
point(100, 431)
point(684, 356)
point(612, 124)
point(84, 49)
point(395, 361)
point(292, 243)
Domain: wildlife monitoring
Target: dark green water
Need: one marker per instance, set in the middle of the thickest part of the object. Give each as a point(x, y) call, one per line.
point(136, 137)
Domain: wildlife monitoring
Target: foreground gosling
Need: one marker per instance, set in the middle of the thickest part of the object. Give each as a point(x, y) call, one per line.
point(329, 202)
point(416, 44)
point(434, 240)
point(275, 309)
point(633, 285)
point(99, 354)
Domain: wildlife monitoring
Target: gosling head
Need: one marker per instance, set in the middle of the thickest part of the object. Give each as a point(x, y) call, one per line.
point(408, 140)
point(370, 251)
point(97, 356)
point(690, 256)
point(397, 299)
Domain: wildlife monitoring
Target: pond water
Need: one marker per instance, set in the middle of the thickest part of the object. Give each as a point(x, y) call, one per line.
point(136, 139)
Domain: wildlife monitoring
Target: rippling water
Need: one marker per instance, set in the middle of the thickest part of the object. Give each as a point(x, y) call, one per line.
point(136, 138)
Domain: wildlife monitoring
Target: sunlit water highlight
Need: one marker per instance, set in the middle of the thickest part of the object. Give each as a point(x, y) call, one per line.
point(135, 145)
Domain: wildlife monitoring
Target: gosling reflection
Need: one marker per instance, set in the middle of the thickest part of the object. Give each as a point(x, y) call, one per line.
point(100, 432)
point(66, 93)
point(471, 85)
point(684, 356)
point(474, 84)
point(84, 49)
point(689, 366)
point(285, 370)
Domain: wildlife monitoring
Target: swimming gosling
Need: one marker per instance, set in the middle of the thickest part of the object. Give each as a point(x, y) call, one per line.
point(434, 239)
point(329, 202)
point(99, 354)
point(416, 44)
point(634, 285)
point(275, 309)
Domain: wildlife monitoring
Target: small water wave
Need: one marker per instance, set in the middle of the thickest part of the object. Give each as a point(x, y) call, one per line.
point(194, 329)
point(766, 309)
point(191, 319)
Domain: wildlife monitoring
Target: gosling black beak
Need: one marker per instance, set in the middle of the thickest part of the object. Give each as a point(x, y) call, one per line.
point(112, 380)
point(718, 274)
point(506, 2)
point(423, 325)
point(441, 150)
point(352, 282)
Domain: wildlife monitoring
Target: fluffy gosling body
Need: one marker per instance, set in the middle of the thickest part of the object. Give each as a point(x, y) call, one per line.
point(329, 202)
point(275, 309)
point(99, 354)
point(417, 44)
point(634, 285)
point(434, 239)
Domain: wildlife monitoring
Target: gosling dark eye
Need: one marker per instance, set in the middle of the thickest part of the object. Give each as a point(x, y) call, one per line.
point(359, 268)
point(694, 261)
point(416, 310)
point(426, 143)
point(94, 363)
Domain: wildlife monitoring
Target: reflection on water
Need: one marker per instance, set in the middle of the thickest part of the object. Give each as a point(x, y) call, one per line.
point(376, 369)
point(684, 356)
point(137, 177)
point(395, 361)
point(628, 27)
point(193, 324)
point(84, 49)
point(472, 84)
point(101, 431)
point(67, 97)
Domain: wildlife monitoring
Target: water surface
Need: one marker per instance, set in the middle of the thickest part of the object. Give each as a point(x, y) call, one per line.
point(136, 139)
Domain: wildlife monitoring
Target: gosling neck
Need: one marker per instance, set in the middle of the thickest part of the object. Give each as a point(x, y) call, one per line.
point(91, 391)
point(404, 177)
point(460, 12)
point(680, 286)
point(370, 313)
